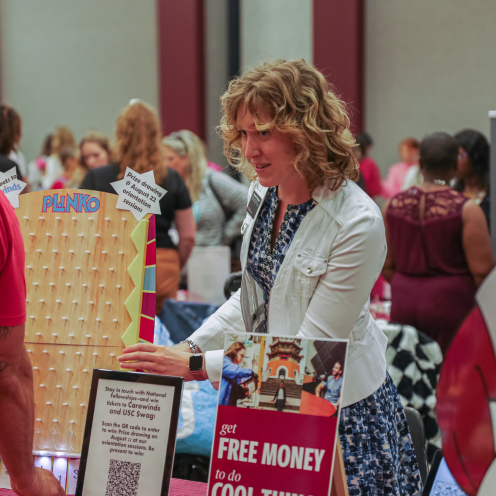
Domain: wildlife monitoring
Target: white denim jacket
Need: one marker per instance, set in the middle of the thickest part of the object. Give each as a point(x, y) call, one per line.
point(321, 290)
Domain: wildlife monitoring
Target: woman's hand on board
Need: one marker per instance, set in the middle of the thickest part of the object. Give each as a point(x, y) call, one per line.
point(157, 359)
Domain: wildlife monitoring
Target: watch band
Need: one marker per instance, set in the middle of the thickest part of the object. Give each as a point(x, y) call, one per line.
point(198, 375)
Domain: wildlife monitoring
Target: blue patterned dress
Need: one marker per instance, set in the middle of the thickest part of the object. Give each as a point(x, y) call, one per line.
point(377, 446)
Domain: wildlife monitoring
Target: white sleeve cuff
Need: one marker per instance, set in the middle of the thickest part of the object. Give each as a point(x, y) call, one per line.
point(213, 365)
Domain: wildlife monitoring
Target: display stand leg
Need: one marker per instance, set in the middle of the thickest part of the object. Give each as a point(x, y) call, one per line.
point(339, 485)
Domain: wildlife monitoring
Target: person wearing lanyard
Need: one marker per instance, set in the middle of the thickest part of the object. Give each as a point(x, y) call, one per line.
point(313, 246)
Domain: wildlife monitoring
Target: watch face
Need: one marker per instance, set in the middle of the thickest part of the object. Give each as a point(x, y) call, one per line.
point(196, 363)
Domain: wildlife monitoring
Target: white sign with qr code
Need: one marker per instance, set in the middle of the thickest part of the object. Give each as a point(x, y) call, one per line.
point(129, 438)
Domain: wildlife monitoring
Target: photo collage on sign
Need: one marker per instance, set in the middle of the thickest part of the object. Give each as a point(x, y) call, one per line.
point(284, 374)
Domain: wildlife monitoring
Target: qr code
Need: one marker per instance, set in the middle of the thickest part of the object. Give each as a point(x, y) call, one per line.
point(123, 478)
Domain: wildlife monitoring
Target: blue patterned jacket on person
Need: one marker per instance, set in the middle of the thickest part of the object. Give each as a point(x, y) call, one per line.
point(231, 374)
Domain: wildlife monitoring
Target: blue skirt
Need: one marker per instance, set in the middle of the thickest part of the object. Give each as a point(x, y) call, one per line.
point(377, 446)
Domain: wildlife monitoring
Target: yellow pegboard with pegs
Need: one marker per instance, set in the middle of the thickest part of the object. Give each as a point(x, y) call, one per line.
point(79, 248)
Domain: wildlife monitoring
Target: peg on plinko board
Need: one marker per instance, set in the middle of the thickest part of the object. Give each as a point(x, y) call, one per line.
point(87, 251)
point(25, 217)
point(42, 385)
point(105, 337)
point(39, 334)
point(104, 252)
point(71, 252)
point(121, 253)
point(35, 368)
point(114, 320)
point(57, 301)
point(68, 370)
point(85, 370)
point(98, 320)
point(52, 284)
point(54, 334)
point(45, 267)
point(88, 336)
point(32, 234)
point(35, 284)
point(81, 235)
point(51, 368)
point(118, 286)
point(41, 218)
point(45, 351)
point(57, 218)
point(48, 402)
point(94, 268)
point(48, 317)
point(75, 387)
point(97, 236)
point(61, 267)
point(38, 251)
point(124, 219)
point(107, 303)
point(68, 284)
point(74, 301)
point(61, 352)
point(65, 235)
point(58, 386)
point(78, 353)
point(101, 286)
point(70, 335)
point(54, 251)
point(91, 302)
point(107, 219)
point(28, 267)
point(81, 318)
point(78, 268)
point(114, 235)
point(112, 354)
point(48, 234)
point(42, 301)
point(31, 316)
point(74, 218)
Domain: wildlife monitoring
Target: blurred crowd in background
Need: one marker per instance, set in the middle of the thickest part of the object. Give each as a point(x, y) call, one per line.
point(433, 199)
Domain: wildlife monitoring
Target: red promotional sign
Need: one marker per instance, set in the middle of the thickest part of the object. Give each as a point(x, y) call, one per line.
point(264, 455)
point(277, 418)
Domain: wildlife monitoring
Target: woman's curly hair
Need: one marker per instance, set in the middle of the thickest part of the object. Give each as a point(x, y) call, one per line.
point(138, 141)
point(301, 103)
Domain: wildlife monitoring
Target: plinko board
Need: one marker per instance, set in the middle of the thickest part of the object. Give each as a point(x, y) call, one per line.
point(277, 417)
point(90, 281)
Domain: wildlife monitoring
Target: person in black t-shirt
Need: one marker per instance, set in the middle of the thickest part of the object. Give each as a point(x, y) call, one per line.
point(138, 147)
point(7, 139)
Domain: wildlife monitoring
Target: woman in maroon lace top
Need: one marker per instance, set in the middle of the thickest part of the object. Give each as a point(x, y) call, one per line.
point(439, 249)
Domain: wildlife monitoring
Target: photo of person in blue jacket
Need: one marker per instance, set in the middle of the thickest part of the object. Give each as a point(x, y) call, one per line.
point(232, 373)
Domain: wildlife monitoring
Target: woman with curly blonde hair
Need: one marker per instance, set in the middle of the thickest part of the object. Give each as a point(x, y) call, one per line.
point(314, 245)
point(138, 147)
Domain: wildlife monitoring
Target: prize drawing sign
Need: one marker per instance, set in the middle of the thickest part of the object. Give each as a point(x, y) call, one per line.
point(277, 417)
point(139, 193)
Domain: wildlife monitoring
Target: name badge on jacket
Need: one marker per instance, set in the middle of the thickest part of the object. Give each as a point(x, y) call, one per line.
point(254, 204)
